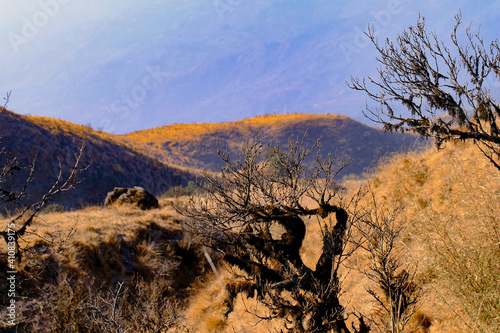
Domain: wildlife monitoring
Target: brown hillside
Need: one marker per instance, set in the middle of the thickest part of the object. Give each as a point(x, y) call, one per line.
point(195, 145)
point(111, 163)
point(144, 158)
point(450, 234)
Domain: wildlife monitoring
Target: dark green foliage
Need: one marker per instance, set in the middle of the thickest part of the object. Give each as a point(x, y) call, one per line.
point(54, 208)
point(179, 191)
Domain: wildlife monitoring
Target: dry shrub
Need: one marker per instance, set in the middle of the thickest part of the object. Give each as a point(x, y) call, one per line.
point(82, 306)
point(450, 199)
point(117, 272)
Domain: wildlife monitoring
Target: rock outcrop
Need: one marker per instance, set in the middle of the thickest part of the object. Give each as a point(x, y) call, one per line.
point(136, 195)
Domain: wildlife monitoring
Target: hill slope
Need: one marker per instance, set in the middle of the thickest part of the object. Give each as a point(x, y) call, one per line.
point(111, 163)
point(195, 145)
point(145, 158)
point(449, 234)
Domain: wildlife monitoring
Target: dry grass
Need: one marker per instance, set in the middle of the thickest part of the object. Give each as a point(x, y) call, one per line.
point(185, 132)
point(452, 208)
point(195, 145)
point(451, 234)
point(112, 269)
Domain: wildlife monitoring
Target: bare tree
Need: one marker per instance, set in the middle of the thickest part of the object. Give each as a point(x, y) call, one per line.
point(6, 99)
point(14, 182)
point(254, 213)
point(444, 90)
point(398, 294)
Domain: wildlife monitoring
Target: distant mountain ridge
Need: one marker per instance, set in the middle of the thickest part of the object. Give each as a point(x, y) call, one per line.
point(195, 145)
point(167, 156)
point(111, 163)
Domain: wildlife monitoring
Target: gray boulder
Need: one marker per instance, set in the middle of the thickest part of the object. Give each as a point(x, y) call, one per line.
point(136, 195)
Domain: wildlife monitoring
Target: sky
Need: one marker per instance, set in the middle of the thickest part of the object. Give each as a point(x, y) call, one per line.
point(123, 65)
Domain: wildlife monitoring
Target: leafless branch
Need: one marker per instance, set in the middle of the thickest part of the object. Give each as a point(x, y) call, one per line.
point(254, 212)
point(22, 221)
point(443, 90)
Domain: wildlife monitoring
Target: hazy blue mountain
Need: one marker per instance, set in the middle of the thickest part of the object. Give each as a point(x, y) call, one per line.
point(127, 65)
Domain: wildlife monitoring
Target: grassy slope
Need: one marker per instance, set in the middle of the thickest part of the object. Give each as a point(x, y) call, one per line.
point(195, 145)
point(87, 253)
point(452, 234)
point(452, 210)
point(451, 200)
point(144, 158)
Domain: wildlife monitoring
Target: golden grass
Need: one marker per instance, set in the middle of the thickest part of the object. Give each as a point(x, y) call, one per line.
point(452, 200)
point(185, 132)
point(58, 126)
point(191, 147)
point(195, 145)
point(97, 223)
point(452, 234)
point(87, 253)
